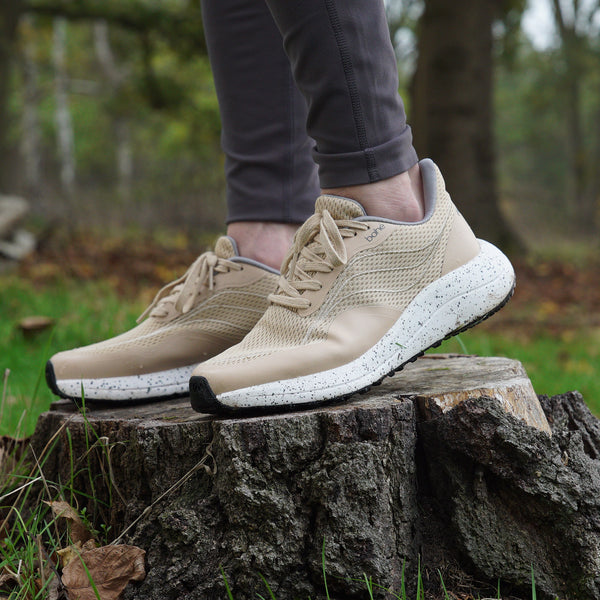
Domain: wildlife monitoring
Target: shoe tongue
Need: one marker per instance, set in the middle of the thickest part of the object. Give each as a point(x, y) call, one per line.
point(226, 247)
point(339, 208)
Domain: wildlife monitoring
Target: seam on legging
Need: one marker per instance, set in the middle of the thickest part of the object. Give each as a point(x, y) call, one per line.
point(289, 183)
point(355, 103)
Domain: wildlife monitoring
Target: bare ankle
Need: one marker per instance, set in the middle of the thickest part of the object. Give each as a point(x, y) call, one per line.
point(399, 198)
point(265, 242)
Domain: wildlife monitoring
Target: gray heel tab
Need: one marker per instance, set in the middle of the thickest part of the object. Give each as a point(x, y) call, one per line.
point(429, 175)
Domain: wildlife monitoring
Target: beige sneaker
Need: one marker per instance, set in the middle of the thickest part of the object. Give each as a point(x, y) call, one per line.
point(209, 309)
point(359, 297)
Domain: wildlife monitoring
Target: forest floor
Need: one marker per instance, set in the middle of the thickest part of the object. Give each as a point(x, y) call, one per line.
point(93, 286)
point(552, 296)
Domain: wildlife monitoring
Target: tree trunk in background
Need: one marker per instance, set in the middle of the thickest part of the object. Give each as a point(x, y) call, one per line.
point(452, 108)
point(115, 78)
point(594, 189)
point(9, 17)
point(582, 174)
point(64, 124)
point(30, 139)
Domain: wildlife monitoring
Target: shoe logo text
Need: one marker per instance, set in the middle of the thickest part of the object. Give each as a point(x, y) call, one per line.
point(374, 233)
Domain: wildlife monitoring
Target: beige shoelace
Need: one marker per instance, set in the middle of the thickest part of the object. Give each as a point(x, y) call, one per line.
point(318, 247)
point(182, 292)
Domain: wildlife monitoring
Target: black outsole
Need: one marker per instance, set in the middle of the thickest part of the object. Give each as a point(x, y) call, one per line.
point(203, 399)
point(103, 403)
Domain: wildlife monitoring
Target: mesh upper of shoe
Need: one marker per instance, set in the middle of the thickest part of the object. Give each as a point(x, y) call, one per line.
point(227, 313)
point(389, 275)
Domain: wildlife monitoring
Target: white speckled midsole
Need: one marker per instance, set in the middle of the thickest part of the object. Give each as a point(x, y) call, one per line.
point(172, 382)
point(453, 301)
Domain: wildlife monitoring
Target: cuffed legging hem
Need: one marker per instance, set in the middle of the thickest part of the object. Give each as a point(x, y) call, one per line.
point(369, 165)
point(253, 218)
point(268, 210)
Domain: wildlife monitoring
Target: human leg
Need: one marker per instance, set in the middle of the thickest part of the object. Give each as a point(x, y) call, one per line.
point(365, 288)
point(271, 189)
point(271, 177)
point(358, 119)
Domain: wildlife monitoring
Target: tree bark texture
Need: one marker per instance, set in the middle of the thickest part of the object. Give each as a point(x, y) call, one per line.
point(419, 469)
point(452, 108)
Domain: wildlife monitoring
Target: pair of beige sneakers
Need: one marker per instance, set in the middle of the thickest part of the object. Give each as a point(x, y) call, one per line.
point(358, 298)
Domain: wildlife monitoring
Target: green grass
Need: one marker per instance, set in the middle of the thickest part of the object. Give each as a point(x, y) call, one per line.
point(88, 312)
point(32, 532)
point(83, 313)
point(371, 586)
point(29, 537)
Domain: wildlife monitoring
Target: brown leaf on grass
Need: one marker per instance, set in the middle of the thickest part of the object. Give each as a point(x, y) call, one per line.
point(66, 555)
point(110, 569)
point(79, 532)
point(34, 324)
point(72, 552)
point(54, 590)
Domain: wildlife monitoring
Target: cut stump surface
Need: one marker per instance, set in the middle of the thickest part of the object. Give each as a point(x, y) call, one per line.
point(438, 381)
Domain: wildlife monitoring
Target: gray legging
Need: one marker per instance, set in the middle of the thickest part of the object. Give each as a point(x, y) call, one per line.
point(339, 55)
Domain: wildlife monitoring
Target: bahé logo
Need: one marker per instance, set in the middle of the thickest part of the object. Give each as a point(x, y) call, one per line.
point(374, 233)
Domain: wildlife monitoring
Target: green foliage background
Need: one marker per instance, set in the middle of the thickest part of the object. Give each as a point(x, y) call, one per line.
point(168, 101)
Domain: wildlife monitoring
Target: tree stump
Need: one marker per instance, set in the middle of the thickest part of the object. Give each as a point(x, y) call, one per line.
point(450, 463)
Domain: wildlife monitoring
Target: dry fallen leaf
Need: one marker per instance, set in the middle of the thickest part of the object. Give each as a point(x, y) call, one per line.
point(111, 568)
point(54, 589)
point(34, 324)
point(79, 532)
point(66, 555)
point(90, 545)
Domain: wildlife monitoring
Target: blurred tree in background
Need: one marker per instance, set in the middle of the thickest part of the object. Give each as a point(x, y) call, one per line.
point(548, 125)
point(10, 13)
point(113, 114)
point(452, 100)
point(108, 114)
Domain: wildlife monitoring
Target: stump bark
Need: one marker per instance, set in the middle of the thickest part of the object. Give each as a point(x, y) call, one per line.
point(451, 462)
